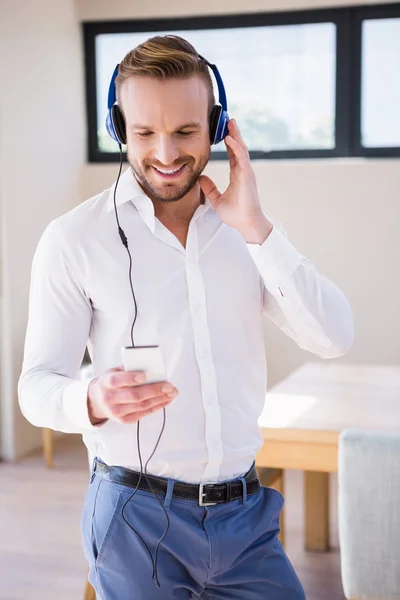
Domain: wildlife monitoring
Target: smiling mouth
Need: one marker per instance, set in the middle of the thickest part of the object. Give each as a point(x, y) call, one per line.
point(169, 173)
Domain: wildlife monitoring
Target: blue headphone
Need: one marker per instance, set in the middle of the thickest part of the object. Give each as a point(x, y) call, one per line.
point(219, 118)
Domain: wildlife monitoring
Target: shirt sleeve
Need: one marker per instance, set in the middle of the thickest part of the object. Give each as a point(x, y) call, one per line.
point(50, 391)
point(304, 304)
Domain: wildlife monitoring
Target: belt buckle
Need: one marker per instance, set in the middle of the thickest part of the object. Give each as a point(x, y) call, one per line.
point(202, 494)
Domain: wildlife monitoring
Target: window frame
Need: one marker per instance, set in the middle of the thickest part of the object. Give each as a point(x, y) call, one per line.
point(348, 23)
point(363, 13)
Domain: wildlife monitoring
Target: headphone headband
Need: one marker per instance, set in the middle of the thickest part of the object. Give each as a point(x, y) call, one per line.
point(220, 84)
point(112, 90)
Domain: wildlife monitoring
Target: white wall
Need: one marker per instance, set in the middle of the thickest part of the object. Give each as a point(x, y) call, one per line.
point(98, 10)
point(42, 150)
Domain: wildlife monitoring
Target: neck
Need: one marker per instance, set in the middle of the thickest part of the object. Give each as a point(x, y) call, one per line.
point(180, 211)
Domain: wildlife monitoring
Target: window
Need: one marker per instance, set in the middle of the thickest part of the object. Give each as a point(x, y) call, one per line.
point(380, 83)
point(301, 85)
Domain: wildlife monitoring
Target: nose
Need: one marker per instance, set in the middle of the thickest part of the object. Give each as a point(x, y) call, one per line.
point(166, 151)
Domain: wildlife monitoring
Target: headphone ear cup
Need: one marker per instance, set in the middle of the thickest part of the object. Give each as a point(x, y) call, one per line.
point(222, 127)
point(118, 123)
point(214, 120)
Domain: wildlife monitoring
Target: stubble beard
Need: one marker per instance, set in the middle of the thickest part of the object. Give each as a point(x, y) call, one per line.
point(169, 192)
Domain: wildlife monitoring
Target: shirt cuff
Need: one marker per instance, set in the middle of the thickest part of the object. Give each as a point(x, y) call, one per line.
point(276, 259)
point(75, 406)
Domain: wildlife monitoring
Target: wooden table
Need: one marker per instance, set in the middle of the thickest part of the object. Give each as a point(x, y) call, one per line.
point(304, 415)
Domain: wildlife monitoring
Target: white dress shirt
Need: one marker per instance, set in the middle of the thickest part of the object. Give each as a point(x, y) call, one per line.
point(202, 305)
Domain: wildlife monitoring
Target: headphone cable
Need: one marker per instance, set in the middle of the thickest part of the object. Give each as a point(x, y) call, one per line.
point(124, 241)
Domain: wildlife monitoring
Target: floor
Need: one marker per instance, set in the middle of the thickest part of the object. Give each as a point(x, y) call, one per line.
point(40, 548)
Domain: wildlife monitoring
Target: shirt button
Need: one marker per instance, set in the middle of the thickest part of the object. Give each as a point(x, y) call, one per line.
point(197, 306)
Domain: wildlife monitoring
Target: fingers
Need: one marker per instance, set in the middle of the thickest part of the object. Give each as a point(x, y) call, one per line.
point(236, 148)
point(126, 398)
point(231, 157)
point(234, 132)
point(119, 378)
point(139, 394)
point(130, 413)
point(241, 156)
point(209, 188)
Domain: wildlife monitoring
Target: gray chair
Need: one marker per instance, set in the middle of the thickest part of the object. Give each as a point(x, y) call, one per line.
point(369, 514)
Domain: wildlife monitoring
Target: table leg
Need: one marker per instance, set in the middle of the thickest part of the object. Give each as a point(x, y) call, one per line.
point(47, 440)
point(316, 506)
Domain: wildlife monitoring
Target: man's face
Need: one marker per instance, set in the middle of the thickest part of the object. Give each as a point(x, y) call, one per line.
point(167, 131)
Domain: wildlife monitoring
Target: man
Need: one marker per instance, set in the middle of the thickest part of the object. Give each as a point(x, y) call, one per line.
point(203, 272)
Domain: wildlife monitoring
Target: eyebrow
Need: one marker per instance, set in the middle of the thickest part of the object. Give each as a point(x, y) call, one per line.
point(191, 125)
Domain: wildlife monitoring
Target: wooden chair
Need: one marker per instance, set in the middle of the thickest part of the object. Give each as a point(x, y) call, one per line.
point(273, 478)
point(90, 594)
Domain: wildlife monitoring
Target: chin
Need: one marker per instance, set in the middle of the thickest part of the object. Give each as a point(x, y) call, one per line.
point(170, 192)
point(174, 195)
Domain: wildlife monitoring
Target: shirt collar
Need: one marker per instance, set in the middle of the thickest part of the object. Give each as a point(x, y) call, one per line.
point(128, 189)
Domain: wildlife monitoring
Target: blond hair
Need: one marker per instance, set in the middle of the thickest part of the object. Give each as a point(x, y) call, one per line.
point(165, 57)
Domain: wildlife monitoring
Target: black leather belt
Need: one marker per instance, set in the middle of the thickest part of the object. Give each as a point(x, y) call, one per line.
point(206, 494)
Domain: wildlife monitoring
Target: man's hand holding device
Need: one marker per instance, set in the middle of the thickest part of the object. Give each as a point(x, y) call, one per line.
point(128, 394)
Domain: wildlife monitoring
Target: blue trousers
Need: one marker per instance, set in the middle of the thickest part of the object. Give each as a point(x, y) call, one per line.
point(228, 551)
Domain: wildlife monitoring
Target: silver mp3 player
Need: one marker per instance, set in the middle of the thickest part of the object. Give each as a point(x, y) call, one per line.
point(145, 358)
